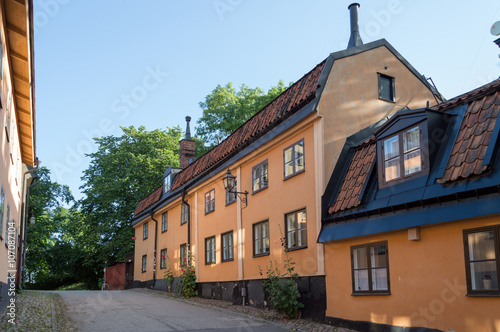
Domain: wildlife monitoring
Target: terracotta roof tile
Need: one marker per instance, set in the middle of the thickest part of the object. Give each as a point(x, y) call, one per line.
point(350, 193)
point(148, 201)
point(287, 103)
point(475, 132)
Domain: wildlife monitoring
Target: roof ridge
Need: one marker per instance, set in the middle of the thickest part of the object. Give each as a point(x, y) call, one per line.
point(469, 96)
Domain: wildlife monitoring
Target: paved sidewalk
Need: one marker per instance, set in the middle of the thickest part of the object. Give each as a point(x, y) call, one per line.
point(265, 315)
point(37, 311)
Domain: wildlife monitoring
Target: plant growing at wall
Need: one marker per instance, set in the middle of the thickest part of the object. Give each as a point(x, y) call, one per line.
point(282, 289)
point(169, 275)
point(188, 278)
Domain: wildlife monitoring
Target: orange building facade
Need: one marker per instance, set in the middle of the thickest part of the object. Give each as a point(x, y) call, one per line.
point(283, 158)
point(415, 245)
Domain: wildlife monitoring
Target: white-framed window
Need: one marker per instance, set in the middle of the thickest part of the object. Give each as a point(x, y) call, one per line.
point(482, 257)
point(260, 176)
point(163, 259)
point(261, 238)
point(184, 213)
point(370, 268)
point(210, 250)
point(227, 246)
point(145, 231)
point(210, 201)
point(293, 159)
point(402, 154)
point(144, 262)
point(296, 229)
point(167, 183)
point(164, 222)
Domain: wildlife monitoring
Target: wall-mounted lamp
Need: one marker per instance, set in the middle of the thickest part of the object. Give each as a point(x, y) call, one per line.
point(230, 182)
point(32, 220)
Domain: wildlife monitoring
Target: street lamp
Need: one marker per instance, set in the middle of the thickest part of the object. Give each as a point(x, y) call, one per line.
point(32, 220)
point(230, 182)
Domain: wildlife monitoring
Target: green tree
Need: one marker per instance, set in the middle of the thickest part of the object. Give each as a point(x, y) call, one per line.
point(225, 109)
point(48, 203)
point(122, 171)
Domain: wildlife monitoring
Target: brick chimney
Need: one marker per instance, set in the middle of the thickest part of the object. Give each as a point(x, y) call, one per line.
point(186, 147)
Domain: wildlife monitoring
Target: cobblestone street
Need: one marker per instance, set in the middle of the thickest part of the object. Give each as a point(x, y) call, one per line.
point(38, 311)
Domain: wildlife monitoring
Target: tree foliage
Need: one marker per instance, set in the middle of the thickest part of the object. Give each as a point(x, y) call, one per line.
point(225, 109)
point(122, 171)
point(48, 255)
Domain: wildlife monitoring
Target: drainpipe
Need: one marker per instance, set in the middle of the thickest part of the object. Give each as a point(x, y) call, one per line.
point(24, 225)
point(156, 241)
point(183, 198)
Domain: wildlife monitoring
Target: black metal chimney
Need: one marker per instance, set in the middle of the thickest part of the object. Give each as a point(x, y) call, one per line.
point(188, 132)
point(355, 39)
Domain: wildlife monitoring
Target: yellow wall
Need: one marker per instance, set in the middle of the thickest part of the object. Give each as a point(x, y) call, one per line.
point(350, 100)
point(427, 282)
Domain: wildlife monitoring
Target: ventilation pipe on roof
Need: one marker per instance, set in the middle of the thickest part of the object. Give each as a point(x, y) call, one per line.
point(355, 39)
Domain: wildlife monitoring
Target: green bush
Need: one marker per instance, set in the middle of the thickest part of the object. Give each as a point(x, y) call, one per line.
point(188, 278)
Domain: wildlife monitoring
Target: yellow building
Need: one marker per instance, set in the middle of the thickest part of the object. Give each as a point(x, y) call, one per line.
point(411, 221)
point(17, 135)
point(283, 157)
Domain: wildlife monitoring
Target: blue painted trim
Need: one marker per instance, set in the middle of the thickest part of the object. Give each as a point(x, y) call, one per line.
point(422, 216)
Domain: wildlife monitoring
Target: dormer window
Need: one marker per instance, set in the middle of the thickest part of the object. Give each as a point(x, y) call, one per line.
point(167, 183)
point(402, 154)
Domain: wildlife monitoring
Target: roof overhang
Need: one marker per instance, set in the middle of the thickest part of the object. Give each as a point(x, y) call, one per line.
point(18, 24)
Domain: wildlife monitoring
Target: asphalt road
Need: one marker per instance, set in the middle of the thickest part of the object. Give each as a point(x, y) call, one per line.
point(134, 311)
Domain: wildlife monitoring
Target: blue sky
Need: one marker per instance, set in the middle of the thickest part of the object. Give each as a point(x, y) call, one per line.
point(105, 64)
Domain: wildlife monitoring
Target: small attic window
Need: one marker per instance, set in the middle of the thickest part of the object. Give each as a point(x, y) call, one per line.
point(386, 90)
point(403, 156)
point(167, 183)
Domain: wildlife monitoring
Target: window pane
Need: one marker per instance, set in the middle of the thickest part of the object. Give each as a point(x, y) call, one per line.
point(258, 246)
point(379, 256)
point(290, 222)
point(302, 220)
point(391, 147)
point(264, 175)
point(392, 169)
point(484, 275)
point(256, 184)
point(266, 244)
point(411, 139)
point(413, 162)
point(288, 155)
point(302, 237)
point(361, 280)
point(299, 157)
point(379, 279)
point(288, 169)
point(360, 258)
point(481, 246)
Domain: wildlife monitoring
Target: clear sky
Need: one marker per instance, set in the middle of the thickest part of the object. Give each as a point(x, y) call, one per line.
point(105, 64)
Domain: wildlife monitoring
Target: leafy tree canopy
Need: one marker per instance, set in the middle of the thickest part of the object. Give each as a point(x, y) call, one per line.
point(122, 171)
point(225, 109)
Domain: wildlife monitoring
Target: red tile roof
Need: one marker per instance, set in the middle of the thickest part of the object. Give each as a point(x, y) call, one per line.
point(473, 138)
point(290, 101)
point(148, 200)
point(287, 103)
point(350, 194)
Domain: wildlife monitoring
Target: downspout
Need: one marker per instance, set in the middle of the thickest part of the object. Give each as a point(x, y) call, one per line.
point(183, 198)
point(156, 241)
point(24, 225)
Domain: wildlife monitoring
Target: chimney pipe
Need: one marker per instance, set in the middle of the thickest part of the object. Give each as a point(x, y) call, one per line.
point(355, 39)
point(188, 131)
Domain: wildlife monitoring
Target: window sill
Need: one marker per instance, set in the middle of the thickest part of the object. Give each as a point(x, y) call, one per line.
point(492, 294)
point(371, 294)
point(144, 238)
point(183, 223)
point(294, 174)
point(261, 255)
point(259, 190)
point(164, 231)
point(208, 212)
point(230, 203)
point(227, 260)
point(211, 263)
point(297, 248)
